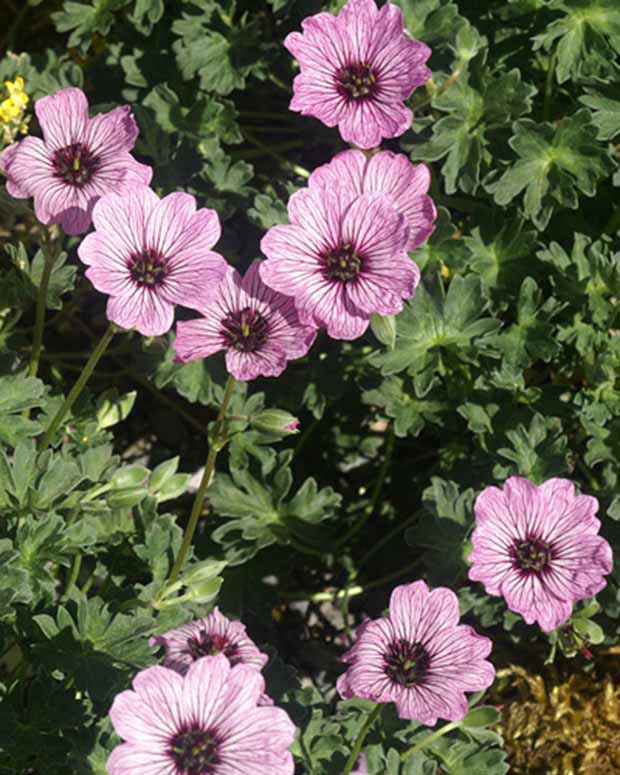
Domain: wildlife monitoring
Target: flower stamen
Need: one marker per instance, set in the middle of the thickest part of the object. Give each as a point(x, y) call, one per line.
point(532, 555)
point(203, 644)
point(342, 263)
point(148, 268)
point(245, 330)
point(194, 752)
point(75, 164)
point(406, 663)
point(357, 81)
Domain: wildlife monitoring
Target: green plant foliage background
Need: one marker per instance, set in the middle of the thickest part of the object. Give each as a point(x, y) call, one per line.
point(505, 362)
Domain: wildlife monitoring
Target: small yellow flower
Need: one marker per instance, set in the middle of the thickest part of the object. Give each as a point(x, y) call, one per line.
point(12, 109)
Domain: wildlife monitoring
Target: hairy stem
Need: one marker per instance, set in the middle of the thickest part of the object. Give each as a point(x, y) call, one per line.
point(87, 371)
point(427, 740)
point(49, 255)
point(357, 747)
point(214, 450)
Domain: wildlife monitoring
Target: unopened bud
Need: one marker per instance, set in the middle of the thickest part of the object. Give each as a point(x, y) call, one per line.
point(275, 421)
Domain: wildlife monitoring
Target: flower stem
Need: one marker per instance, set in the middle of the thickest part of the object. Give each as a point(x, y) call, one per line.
point(50, 256)
point(427, 740)
point(214, 449)
point(372, 505)
point(357, 747)
point(549, 85)
point(77, 388)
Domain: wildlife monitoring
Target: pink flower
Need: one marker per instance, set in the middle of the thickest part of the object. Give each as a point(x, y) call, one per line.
point(205, 722)
point(357, 68)
point(362, 767)
point(257, 327)
point(78, 161)
point(538, 547)
point(385, 173)
point(420, 657)
point(342, 257)
point(150, 254)
point(214, 634)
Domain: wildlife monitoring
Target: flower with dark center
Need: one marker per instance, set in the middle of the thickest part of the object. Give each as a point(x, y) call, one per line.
point(147, 268)
point(75, 164)
point(532, 555)
point(342, 258)
point(245, 330)
point(357, 82)
point(538, 547)
point(343, 263)
point(212, 635)
point(79, 160)
point(356, 69)
point(194, 752)
point(257, 327)
point(406, 663)
point(419, 657)
point(386, 173)
point(209, 721)
point(149, 254)
point(205, 644)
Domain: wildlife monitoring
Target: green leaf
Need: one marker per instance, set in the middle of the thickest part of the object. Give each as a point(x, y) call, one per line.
point(554, 165)
point(86, 19)
point(483, 716)
point(384, 328)
point(475, 106)
point(433, 324)
point(18, 393)
point(606, 115)
point(586, 38)
point(113, 408)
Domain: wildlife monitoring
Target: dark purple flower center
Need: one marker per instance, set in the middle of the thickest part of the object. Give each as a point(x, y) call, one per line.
point(206, 645)
point(194, 752)
point(75, 164)
point(357, 81)
point(148, 268)
point(532, 555)
point(245, 330)
point(406, 663)
point(342, 263)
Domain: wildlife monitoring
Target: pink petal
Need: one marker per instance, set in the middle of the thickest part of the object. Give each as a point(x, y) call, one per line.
point(63, 117)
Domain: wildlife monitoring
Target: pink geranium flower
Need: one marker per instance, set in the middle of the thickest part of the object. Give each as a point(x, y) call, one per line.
point(205, 722)
point(257, 327)
point(420, 657)
point(356, 70)
point(385, 173)
point(150, 254)
point(78, 161)
point(343, 257)
point(538, 547)
point(214, 634)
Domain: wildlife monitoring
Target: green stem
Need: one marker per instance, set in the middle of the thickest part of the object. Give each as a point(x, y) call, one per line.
point(388, 537)
point(50, 256)
point(549, 86)
point(374, 499)
point(319, 597)
point(423, 743)
point(357, 746)
point(296, 168)
point(75, 572)
point(77, 388)
point(204, 484)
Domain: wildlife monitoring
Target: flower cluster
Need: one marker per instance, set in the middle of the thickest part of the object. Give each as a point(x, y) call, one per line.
point(12, 110)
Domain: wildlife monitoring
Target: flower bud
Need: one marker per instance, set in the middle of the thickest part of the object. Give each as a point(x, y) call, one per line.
point(275, 421)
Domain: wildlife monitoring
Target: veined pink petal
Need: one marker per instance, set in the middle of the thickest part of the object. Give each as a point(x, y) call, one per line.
point(420, 657)
point(538, 547)
point(167, 714)
point(356, 70)
point(78, 161)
